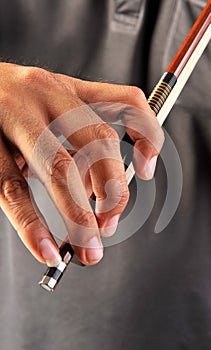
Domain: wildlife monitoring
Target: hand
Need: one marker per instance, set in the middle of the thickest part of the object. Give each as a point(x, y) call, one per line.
point(30, 99)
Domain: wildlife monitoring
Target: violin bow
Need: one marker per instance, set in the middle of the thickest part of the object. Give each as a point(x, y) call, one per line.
point(161, 101)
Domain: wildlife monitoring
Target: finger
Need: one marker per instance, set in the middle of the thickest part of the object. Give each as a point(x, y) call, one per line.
point(62, 178)
point(58, 171)
point(83, 168)
point(16, 202)
point(143, 130)
point(140, 121)
point(148, 137)
point(108, 180)
point(93, 92)
point(85, 127)
point(97, 142)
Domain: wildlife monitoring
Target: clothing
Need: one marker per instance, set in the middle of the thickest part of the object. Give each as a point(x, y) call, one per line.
point(151, 292)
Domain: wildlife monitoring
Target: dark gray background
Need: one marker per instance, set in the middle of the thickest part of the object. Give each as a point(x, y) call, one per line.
point(152, 292)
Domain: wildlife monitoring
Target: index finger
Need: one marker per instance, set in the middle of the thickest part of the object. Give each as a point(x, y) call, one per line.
point(139, 119)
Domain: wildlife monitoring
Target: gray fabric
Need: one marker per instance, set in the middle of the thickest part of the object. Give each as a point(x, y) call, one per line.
point(151, 292)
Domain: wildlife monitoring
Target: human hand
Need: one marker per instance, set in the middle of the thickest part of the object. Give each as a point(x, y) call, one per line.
point(32, 98)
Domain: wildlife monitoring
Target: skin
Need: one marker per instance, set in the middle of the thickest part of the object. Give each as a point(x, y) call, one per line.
point(30, 99)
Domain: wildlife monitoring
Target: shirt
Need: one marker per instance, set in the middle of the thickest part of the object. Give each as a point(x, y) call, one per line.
point(152, 291)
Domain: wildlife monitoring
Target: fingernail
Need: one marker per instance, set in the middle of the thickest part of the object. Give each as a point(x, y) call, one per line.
point(111, 226)
point(150, 167)
point(49, 252)
point(94, 251)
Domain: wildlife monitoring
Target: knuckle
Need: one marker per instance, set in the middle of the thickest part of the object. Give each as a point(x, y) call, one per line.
point(59, 167)
point(153, 144)
point(136, 92)
point(15, 191)
point(135, 96)
point(115, 199)
point(125, 194)
point(28, 221)
point(145, 146)
point(6, 100)
point(123, 197)
point(104, 131)
point(68, 83)
point(84, 218)
point(7, 103)
point(12, 188)
point(36, 75)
